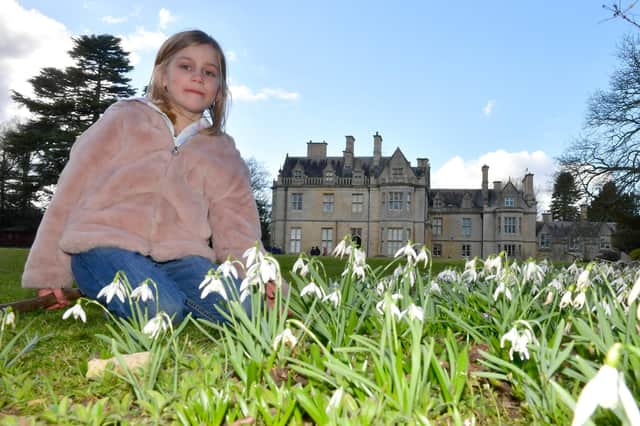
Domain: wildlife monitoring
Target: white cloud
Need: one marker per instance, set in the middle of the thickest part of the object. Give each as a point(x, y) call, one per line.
point(164, 18)
point(458, 173)
point(142, 41)
point(29, 41)
point(114, 19)
point(244, 93)
point(487, 110)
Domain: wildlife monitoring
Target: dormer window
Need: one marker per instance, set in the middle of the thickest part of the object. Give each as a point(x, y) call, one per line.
point(298, 174)
point(329, 177)
point(509, 202)
point(357, 177)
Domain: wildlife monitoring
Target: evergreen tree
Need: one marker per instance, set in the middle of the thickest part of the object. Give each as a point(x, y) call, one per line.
point(101, 67)
point(610, 205)
point(564, 198)
point(65, 103)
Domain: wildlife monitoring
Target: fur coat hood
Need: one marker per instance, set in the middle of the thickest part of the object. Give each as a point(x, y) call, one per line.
point(127, 186)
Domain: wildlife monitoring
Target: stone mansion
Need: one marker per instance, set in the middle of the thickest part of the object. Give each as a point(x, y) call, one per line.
point(383, 202)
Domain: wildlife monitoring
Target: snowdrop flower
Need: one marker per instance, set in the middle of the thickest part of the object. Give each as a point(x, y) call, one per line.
point(566, 299)
point(519, 341)
point(381, 286)
point(252, 255)
point(286, 338)
point(423, 256)
point(510, 336)
point(333, 297)
point(398, 271)
point(555, 284)
point(265, 270)
point(502, 288)
point(359, 271)
point(77, 312)
point(142, 292)
point(606, 308)
point(214, 285)
point(228, 270)
point(358, 263)
point(342, 248)
point(385, 304)
point(573, 268)
point(493, 264)
point(470, 273)
point(606, 389)
point(312, 288)
point(533, 272)
point(9, 319)
point(635, 291)
point(335, 400)
point(414, 312)
point(116, 288)
point(156, 325)
point(549, 298)
point(583, 279)
point(412, 277)
point(448, 275)
point(579, 300)
point(407, 251)
point(359, 256)
point(301, 265)
point(435, 288)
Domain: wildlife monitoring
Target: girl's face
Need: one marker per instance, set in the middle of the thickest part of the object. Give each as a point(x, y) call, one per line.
point(192, 79)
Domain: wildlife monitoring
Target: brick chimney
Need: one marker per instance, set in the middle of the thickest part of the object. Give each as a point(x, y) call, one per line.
point(485, 185)
point(377, 149)
point(317, 150)
point(527, 187)
point(347, 154)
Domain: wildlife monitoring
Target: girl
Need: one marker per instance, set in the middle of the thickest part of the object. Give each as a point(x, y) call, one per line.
point(153, 189)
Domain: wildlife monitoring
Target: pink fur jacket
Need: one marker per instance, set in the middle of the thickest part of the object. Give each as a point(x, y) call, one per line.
point(125, 187)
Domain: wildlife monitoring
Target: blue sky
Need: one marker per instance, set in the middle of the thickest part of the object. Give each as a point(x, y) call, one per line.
point(462, 83)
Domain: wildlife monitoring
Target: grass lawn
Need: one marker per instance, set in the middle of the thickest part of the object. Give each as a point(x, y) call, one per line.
point(393, 346)
point(49, 383)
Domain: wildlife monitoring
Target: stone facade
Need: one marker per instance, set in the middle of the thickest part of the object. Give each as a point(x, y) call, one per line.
point(385, 201)
point(567, 241)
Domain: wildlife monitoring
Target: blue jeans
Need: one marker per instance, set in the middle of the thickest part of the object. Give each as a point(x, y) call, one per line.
point(177, 282)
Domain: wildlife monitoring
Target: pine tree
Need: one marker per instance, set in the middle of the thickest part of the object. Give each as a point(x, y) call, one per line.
point(610, 205)
point(564, 198)
point(65, 103)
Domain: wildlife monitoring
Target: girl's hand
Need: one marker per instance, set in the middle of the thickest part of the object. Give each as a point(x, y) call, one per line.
point(61, 301)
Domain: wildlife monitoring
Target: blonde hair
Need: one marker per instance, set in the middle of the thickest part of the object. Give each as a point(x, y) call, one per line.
point(174, 44)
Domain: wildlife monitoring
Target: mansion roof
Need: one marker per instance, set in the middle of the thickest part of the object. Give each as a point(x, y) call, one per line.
point(456, 197)
point(315, 167)
point(564, 229)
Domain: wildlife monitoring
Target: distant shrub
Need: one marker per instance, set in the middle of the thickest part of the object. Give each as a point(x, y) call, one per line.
point(635, 254)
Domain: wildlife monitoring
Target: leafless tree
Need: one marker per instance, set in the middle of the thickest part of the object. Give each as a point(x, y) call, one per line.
point(623, 12)
point(610, 146)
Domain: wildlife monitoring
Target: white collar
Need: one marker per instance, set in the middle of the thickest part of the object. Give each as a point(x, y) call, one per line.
point(186, 133)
